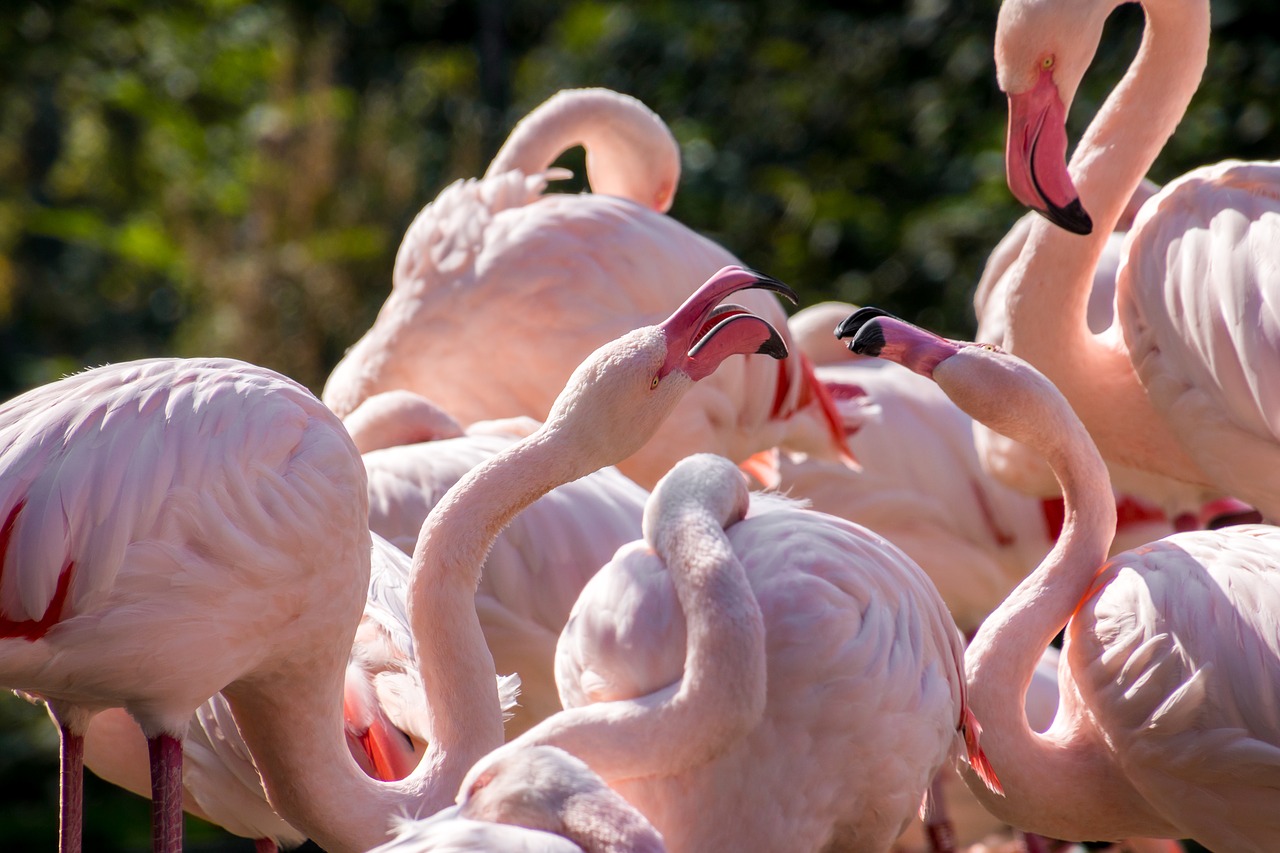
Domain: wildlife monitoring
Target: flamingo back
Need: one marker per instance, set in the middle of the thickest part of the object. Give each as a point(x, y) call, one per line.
point(865, 669)
point(129, 489)
point(1177, 652)
point(1200, 302)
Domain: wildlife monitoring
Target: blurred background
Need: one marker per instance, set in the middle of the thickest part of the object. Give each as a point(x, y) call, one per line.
point(233, 178)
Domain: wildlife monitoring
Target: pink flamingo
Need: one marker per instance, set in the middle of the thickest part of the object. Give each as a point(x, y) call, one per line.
point(538, 565)
point(585, 267)
point(1190, 507)
point(1180, 384)
point(384, 709)
point(536, 800)
point(1167, 726)
point(123, 569)
point(864, 668)
point(922, 484)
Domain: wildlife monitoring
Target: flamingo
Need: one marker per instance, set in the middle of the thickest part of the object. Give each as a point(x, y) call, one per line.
point(922, 485)
point(1181, 384)
point(123, 569)
point(150, 509)
point(864, 668)
point(1168, 725)
point(384, 710)
point(538, 565)
point(538, 800)
point(1189, 506)
point(585, 267)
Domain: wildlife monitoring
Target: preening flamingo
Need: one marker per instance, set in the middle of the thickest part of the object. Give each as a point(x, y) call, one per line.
point(384, 711)
point(538, 565)
point(584, 268)
point(1168, 725)
point(864, 669)
point(539, 799)
point(921, 484)
point(1183, 383)
point(122, 568)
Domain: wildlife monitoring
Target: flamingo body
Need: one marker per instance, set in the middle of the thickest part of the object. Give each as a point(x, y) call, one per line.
point(1167, 725)
point(1179, 385)
point(590, 267)
point(864, 664)
point(153, 511)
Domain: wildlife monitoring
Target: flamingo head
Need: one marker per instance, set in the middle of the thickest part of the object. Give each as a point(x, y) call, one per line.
point(619, 396)
point(1042, 51)
point(545, 788)
point(973, 375)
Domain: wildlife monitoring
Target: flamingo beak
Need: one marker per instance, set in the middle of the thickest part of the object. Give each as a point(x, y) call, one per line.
point(1035, 157)
point(879, 334)
point(702, 333)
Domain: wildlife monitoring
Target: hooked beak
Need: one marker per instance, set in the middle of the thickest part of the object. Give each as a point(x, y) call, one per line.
point(879, 334)
point(702, 333)
point(1035, 157)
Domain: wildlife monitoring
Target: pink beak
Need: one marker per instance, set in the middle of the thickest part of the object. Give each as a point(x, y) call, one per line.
point(702, 333)
point(1036, 157)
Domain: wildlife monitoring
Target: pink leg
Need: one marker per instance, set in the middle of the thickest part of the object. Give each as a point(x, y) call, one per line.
point(937, 823)
point(166, 793)
point(71, 817)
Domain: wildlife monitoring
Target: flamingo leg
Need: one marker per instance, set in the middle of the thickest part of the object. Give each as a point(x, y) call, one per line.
point(166, 793)
point(71, 794)
point(937, 823)
point(264, 845)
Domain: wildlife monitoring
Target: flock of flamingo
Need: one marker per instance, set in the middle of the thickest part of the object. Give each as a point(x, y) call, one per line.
point(577, 555)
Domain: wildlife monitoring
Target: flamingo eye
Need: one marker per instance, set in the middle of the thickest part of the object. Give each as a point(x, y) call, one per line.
point(654, 383)
point(1047, 62)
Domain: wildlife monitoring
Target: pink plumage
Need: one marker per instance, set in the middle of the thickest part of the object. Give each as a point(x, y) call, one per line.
point(1181, 384)
point(1167, 724)
point(864, 668)
point(565, 273)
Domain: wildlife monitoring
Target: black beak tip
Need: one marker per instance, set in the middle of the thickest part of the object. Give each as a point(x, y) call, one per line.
point(850, 325)
point(1072, 217)
point(768, 282)
point(774, 347)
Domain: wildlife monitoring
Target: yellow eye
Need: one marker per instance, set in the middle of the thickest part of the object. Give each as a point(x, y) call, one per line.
point(991, 347)
point(1046, 63)
point(654, 383)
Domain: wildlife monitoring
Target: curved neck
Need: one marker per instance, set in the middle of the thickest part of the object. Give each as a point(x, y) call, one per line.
point(720, 696)
point(307, 769)
point(630, 151)
point(465, 717)
point(603, 822)
point(1141, 113)
point(1039, 770)
point(1053, 276)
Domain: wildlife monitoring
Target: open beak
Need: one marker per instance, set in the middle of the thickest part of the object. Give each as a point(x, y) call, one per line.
point(1036, 157)
point(702, 333)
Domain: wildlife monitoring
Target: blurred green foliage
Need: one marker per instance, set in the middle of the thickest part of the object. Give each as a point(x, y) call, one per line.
point(220, 177)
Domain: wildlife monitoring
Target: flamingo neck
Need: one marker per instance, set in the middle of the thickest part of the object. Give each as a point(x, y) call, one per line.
point(1039, 770)
point(295, 730)
point(603, 822)
point(1142, 112)
point(630, 151)
point(465, 715)
point(721, 694)
point(1053, 276)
